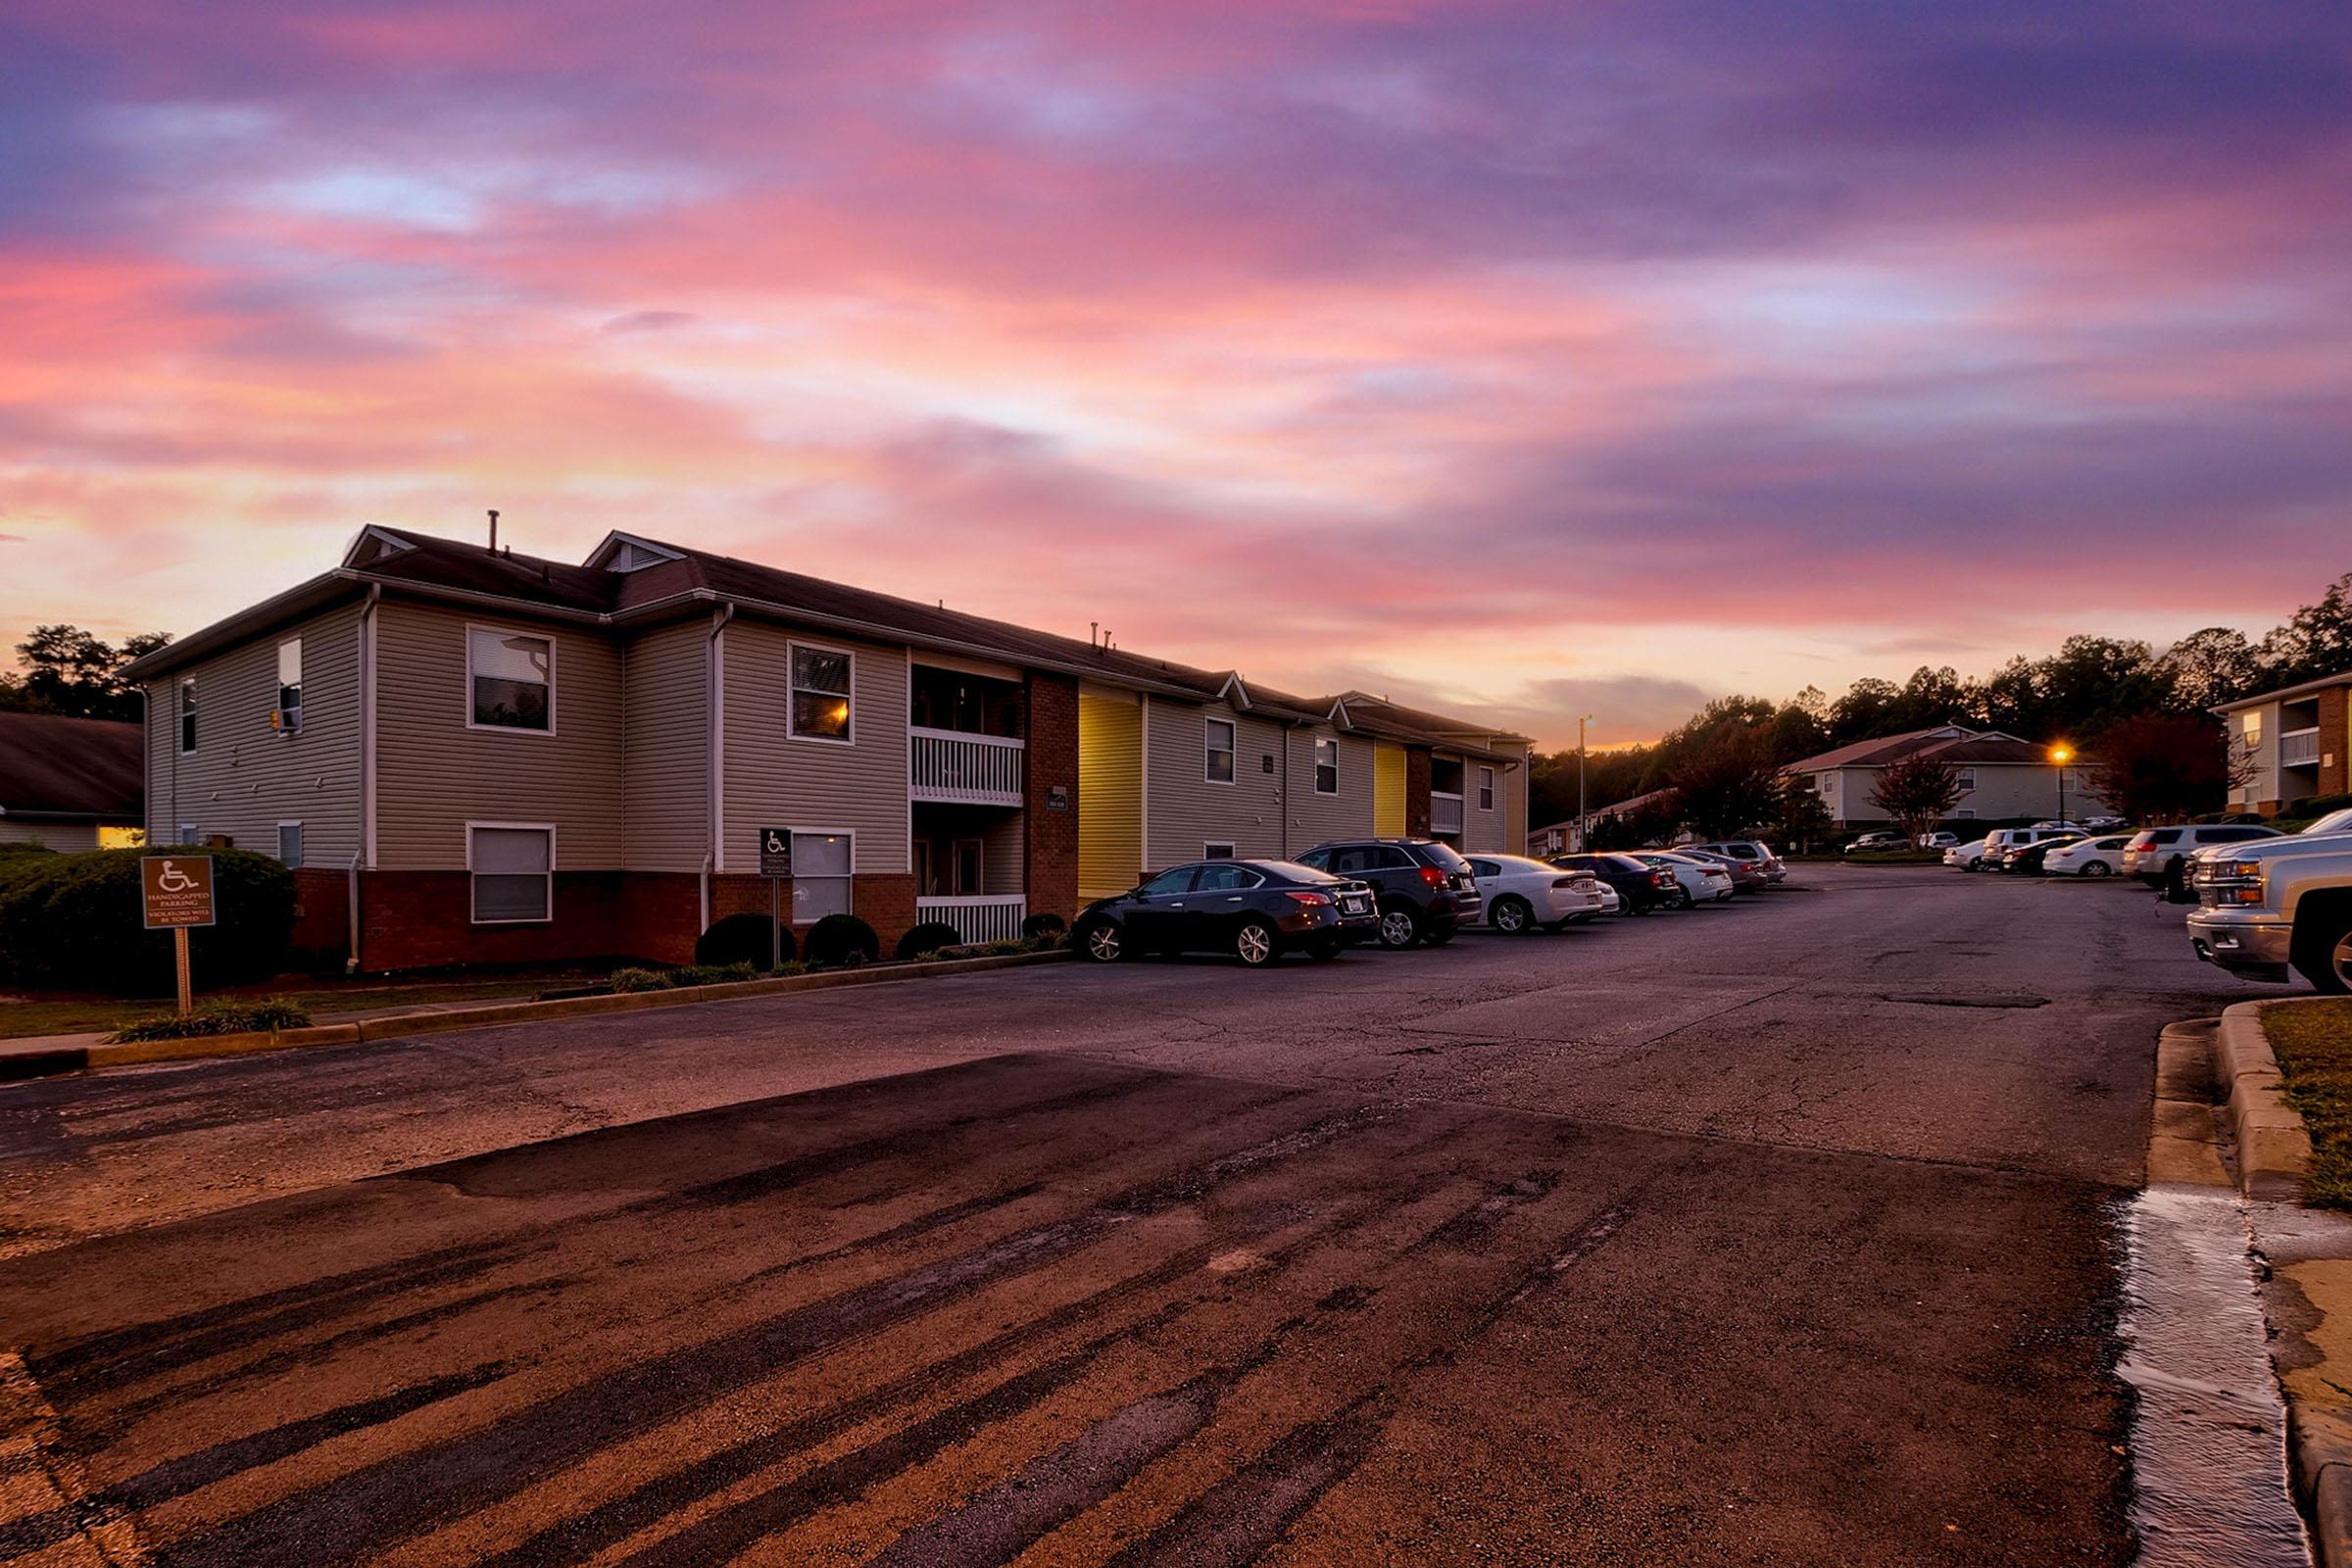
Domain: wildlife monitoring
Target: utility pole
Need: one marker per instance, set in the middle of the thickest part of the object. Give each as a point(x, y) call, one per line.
point(1581, 722)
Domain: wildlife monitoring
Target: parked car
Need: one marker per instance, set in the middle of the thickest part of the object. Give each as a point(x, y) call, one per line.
point(2333, 823)
point(1967, 856)
point(1425, 891)
point(1696, 881)
point(1254, 909)
point(2000, 841)
point(1938, 840)
point(2088, 857)
point(1639, 888)
point(1518, 894)
point(2283, 904)
point(1869, 842)
point(2100, 824)
point(1746, 875)
point(2154, 850)
point(1753, 851)
point(2028, 860)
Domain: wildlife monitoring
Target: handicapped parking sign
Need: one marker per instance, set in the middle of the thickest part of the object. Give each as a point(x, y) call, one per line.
point(177, 891)
point(775, 852)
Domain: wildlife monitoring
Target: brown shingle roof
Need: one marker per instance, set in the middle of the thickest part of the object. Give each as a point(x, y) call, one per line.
point(71, 768)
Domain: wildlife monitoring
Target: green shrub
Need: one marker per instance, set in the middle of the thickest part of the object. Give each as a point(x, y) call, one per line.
point(72, 922)
point(695, 974)
point(926, 939)
point(2313, 806)
point(745, 938)
point(786, 970)
point(639, 979)
point(227, 1017)
point(842, 941)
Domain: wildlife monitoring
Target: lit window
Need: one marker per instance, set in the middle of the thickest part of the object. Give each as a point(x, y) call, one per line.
point(187, 716)
point(289, 843)
point(513, 680)
point(820, 695)
point(288, 716)
point(514, 873)
point(821, 875)
point(1217, 742)
point(1486, 789)
point(1327, 767)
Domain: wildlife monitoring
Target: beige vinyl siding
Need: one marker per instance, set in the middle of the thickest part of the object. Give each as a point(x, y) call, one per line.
point(772, 780)
point(66, 838)
point(1185, 811)
point(1388, 803)
point(2263, 752)
point(244, 778)
point(1316, 818)
point(666, 790)
point(1003, 855)
point(1485, 830)
point(433, 775)
point(1110, 779)
point(1513, 788)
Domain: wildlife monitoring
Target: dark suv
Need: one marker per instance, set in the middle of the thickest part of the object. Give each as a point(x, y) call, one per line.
point(1426, 891)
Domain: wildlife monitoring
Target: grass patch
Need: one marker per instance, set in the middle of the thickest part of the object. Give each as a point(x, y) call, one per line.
point(2313, 1042)
point(23, 1016)
point(234, 1018)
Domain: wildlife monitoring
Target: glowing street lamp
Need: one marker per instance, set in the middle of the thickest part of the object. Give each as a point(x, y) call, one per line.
point(2061, 754)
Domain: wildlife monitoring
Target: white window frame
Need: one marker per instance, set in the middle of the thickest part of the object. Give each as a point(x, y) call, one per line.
point(300, 839)
point(190, 835)
point(1208, 850)
point(472, 916)
point(1968, 778)
point(1486, 789)
point(1232, 750)
point(850, 905)
point(185, 716)
point(1331, 741)
point(792, 729)
point(289, 730)
point(546, 637)
point(1964, 813)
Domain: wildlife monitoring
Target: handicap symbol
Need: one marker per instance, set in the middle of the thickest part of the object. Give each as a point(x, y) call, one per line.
point(171, 879)
point(775, 843)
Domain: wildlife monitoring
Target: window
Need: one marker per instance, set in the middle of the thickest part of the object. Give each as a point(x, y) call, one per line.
point(1327, 767)
point(1968, 778)
point(289, 843)
point(2069, 778)
point(1226, 879)
point(1829, 783)
point(2254, 728)
point(514, 871)
point(1317, 860)
point(1486, 789)
point(1966, 812)
point(1217, 746)
point(969, 855)
point(513, 680)
point(1265, 761)
point(820, 700)
point(1179, 880)
point(289, 686)
point(1485, 868)
point(187, 716)
point(821, 875)
point(1217, 851)
point(188, 834)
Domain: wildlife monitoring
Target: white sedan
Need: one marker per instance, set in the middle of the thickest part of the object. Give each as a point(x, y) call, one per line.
point(1700, 881)
point(1967, 856)
point(2089, 856)
point(1518, 894)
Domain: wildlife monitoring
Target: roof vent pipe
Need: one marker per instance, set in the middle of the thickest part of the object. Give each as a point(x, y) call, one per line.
point(494, 530)
point(1094, 634)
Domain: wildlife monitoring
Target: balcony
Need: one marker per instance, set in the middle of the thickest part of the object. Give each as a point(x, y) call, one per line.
point(951, 766)
point(977, 916)
point(1445, 812)
point(2299, 748)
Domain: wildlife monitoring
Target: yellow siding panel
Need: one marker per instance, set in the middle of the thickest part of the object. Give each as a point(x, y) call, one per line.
point(1388, 799)
point(1111, 794)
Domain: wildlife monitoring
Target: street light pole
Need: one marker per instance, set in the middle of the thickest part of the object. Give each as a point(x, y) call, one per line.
point(1582, 721)
point(2060, 756)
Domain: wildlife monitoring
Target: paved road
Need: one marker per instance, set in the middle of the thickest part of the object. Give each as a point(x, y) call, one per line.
point(1777, 1232)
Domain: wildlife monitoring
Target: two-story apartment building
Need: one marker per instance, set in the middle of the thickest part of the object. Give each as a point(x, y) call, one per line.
point(474, 756)
point(2002, 778)
point(2292, 743)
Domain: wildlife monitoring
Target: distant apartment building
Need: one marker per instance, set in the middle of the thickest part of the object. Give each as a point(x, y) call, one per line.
point(476, 755)
point(69, 784)
point(2291, 742)
point(2002, 778)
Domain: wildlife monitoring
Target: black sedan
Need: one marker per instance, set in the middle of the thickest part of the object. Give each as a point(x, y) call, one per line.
point(1640, 888)
point(1254, 909)
point(2026, 860)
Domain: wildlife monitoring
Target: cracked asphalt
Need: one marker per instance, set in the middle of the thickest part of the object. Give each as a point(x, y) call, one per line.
point(1781, 1232)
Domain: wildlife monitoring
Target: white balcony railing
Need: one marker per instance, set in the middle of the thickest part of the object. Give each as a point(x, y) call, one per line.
point(977, 916)
point(2299, 748)
point(1445, 812)
point(945, 764)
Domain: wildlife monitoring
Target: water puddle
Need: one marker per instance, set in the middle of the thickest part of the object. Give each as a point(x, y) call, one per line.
point(2209, 1435)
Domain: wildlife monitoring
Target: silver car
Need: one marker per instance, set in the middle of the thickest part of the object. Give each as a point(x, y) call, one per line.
point(1699, 882)
point(1754, 852)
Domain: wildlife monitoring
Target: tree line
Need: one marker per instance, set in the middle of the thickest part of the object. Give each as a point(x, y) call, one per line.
point(66, 670)
point(2141, 717)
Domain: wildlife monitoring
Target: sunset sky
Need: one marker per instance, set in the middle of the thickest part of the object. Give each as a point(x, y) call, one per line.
point(1538, 359)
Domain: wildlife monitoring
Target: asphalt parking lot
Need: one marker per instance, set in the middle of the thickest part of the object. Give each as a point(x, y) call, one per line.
point(1774, 1232)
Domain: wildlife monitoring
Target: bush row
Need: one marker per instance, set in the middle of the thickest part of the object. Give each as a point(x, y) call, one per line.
point(74, 922)
point(231, 1016)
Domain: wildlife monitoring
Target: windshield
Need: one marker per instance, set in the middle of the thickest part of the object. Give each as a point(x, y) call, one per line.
point(2334, 822)
point(1441, 857)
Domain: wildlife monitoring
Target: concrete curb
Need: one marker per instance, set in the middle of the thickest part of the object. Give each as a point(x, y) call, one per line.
point(42, 1065)
point(2319, 1445)
point(2274, 1152)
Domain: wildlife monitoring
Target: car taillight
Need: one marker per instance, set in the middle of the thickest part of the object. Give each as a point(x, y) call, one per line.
point(1661, 879)
point(1313, 901)
point(1567, 881)
point(1433, 876)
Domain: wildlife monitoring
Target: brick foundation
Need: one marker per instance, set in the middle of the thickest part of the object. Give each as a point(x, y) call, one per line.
point(321, 935)
point(1050, 878)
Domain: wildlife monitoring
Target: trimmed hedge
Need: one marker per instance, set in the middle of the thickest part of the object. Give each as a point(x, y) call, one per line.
point(931, 935)
point(842, 939)
point(234, 1018)
point(745, 938)
point(72, 922)
point(699, 974)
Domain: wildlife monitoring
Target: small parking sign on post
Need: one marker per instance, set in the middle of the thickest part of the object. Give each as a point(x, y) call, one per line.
point(775, 864)
point(175, 894)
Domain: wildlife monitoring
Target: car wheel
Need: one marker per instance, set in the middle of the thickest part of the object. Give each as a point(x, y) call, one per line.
point(1103, 943)
point(1253, 942)
point(1683, 899)
point(2097, 869)
point(1400, 926)
point(1514, 916)
point(2325, 958)
point(1437, 936)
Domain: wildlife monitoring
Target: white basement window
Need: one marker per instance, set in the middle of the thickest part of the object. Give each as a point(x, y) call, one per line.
point(511, 678)
point(1216, 745)
point(821, 864)
point(821, 681)
point(514, 871)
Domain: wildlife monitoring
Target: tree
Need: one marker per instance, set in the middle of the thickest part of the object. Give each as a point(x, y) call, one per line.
point(69, 671)
point(1800, 728)
point(1864, 711)
point(2162, 767)
point(1916, 793)
point(1729, 787)
point(2209, 668)
point(1802, 818)
point(2316, 641)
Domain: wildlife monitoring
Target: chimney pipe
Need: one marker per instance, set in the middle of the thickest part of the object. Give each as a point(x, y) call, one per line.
point(494, 530)
point(1094, 634)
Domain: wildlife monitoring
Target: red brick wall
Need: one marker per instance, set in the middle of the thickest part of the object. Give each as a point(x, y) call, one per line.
point(1051, 877)
point(321, 912)
point(661, 915)
point(1416, 792)
point(424, 921)
point(884, 902)
point(2333, 761)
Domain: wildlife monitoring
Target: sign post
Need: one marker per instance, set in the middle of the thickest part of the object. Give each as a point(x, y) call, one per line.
point(176, 894)
point(775, 864)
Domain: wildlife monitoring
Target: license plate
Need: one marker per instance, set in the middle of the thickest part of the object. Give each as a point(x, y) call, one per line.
point(1352, 905)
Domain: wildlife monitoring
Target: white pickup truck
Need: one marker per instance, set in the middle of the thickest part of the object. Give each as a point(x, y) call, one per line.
point(2278, 905)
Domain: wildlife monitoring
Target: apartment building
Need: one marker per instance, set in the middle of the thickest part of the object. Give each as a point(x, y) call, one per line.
point(2002, 778)
point(69, 784)
point(2292, 744)
point(469, 754)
